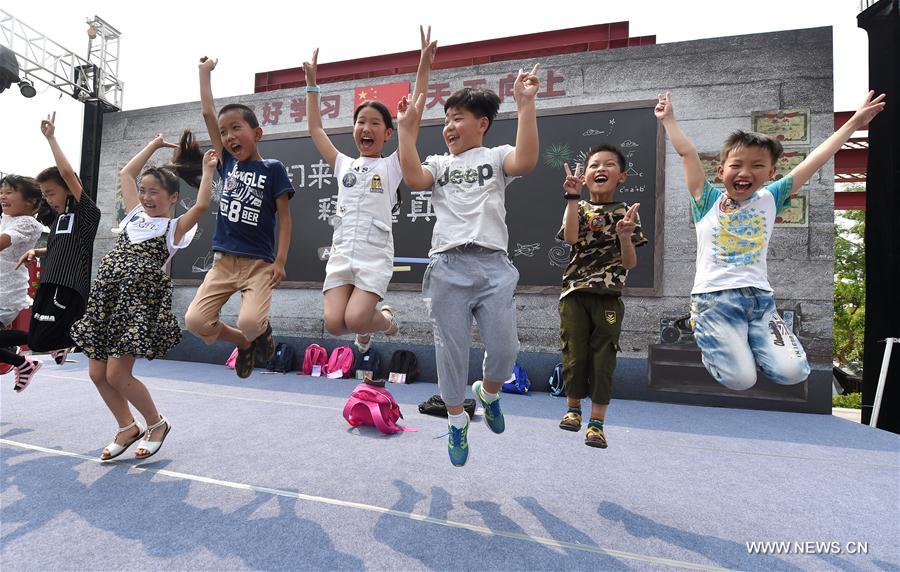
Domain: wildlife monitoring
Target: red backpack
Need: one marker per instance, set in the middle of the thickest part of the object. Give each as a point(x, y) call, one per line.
point(314, 355)
point(340, 364)
point(374, 406)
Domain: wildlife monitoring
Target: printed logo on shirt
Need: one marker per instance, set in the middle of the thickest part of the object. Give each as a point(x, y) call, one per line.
point(740, 238)
point(610, 317)
point(349, 180)
point(242, 196)
point(65, 223)
point(467, 177)
point(376, 184)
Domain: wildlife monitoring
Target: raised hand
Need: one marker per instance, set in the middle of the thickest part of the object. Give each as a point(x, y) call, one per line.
point(527, 84)
point(574, 182)
point(625, 227)
point(869, 108)
point(409, 115)
point(663, 109)
point(210, 161)
point(309, 69)
point(26, 258)
point(208, 64)
point(159, 142)
point(429, 48)
point(48, 126)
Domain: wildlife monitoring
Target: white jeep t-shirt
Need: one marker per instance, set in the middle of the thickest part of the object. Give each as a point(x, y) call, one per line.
point(732, 246)
point(468, 197)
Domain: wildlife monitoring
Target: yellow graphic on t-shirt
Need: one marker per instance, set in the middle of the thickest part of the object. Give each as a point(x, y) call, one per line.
point(740, 238)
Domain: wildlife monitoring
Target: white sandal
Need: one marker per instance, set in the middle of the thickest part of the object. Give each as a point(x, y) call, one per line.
point(115, 449)
point(394, 328)
point(152, 446)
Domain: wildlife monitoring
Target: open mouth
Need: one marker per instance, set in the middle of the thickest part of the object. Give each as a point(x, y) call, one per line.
point(366, 143)
point(601, 179)
point(742, 186)
point(235, 149)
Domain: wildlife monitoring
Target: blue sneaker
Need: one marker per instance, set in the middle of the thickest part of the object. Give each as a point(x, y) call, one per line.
point(458, 445)
point(492, 414)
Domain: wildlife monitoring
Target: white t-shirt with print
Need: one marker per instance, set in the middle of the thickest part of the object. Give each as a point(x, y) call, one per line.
point(141, 227)
point(367, 185)
point(468, 197)
point(732, 246)
point(23, 232)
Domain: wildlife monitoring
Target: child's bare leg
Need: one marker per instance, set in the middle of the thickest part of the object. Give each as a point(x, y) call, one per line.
point(336, 300)
point(119, 374)
point(114, 400)
point(598, 410)
point(362, 315)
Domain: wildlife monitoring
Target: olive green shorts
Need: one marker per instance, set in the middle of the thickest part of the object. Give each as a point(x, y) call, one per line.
point(590, 324)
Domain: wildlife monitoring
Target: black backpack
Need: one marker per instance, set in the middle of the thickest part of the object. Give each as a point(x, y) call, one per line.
point(405, 361)
point(283, 359)
point(435, 406)
point(557, 382)
point(369, 361)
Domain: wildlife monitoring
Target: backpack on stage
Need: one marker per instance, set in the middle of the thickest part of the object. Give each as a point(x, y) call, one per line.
point(375, 407)
point(435, 406)
point(404, 367)
point(557, 382)
point(315, 358)
point(369, 362)
point(283, 359)
point(519, 383)
point(340, 364)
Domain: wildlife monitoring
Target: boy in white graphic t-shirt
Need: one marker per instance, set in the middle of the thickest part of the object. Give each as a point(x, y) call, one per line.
point(470, 274)
point(732, 305)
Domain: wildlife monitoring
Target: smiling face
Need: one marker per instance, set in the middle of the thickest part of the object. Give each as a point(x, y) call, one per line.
point(463, 130)
point(238, 137)
point(745, 170)
point(370, 132)
point(154, 197)
point(55, 195)
point(14, 203)
point(603, 174)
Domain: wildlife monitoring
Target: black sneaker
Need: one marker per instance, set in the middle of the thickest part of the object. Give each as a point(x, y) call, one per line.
point(265, 346)
point(243, 365)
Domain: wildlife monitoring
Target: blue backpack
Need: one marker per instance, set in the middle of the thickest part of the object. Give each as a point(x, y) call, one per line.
point(520, 384)
point(557, 382)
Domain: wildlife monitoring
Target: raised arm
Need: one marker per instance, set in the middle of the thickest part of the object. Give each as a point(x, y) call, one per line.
point(426, 59)
point(129, 173)
point(48, 128)
point(572, 186)
point(624, 230)
point(525, 156)
point(866, 112)
point(416, 177)
point(694, 176)
point(207, 104)
point(187, 221)
point(314, 114)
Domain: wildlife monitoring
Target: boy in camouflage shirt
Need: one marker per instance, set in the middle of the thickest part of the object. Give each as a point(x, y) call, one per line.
point(603, 235)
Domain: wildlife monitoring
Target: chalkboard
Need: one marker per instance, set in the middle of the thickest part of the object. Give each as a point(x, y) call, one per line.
point(534, 203)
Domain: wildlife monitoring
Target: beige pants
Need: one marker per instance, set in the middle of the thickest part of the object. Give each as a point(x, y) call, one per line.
point(230, 274)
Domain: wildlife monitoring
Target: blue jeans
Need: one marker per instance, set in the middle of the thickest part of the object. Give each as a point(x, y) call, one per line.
point(739, 329)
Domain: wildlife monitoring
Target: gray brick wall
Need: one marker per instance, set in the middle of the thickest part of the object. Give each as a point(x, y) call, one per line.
point(716, 84)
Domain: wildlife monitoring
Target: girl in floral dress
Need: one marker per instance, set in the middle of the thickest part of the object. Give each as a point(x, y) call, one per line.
point(129, 312)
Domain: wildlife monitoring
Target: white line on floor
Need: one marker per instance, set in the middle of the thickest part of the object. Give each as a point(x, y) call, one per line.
point(372, 508)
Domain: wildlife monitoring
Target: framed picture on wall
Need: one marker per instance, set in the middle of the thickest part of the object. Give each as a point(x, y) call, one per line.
point(790, 126)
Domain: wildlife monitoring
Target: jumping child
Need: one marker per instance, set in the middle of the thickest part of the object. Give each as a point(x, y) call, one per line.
point(129, 313)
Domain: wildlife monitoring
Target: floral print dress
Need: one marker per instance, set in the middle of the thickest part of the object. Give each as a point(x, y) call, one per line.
point(129, 311)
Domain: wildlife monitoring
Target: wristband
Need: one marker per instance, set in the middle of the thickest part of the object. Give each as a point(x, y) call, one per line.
point(312, 89)
point(571, 197)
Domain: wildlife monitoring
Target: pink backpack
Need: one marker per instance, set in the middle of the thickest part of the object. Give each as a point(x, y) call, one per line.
point(374, 406)
point(315, 355)
point(340, 364)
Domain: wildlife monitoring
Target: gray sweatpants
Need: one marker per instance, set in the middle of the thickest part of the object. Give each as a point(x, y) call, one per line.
point(459, 284)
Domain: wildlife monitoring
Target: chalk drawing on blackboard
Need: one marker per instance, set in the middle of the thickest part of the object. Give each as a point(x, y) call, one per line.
point(559, 255)
point(628, 144)
point(203, 264)
point(590, 132)
point(324, 253)
point(187, 203)
point(526, 249)
point(631, 172)
point(557, 154)
point(420, 206)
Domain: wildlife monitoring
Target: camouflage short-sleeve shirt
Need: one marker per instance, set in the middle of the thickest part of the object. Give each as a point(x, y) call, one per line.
point(596, 261)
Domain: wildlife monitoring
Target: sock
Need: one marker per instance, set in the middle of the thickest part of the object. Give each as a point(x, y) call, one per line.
point(458, 421)
point(598, 423)
point(489, 397)
point(575, 410)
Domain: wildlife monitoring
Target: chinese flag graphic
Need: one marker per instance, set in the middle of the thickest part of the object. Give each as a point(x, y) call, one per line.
point(387, 93)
